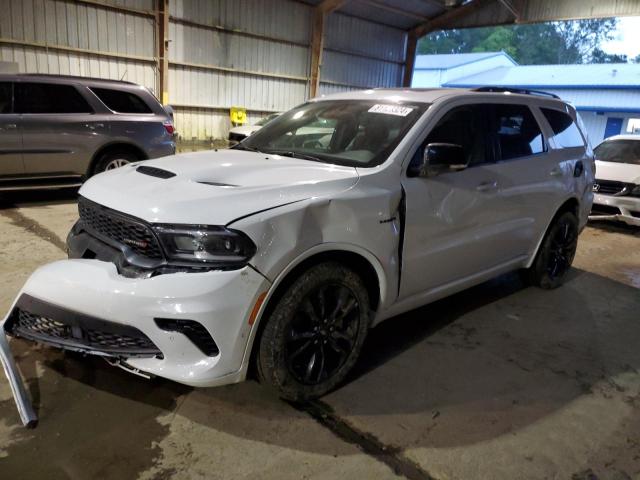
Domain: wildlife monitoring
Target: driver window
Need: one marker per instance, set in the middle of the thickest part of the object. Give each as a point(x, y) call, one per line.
point(462, 126)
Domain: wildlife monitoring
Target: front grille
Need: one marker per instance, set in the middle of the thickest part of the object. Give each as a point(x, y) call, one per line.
point(119, 228)
point(608, 187)
point(597, 209)
point(72, 331)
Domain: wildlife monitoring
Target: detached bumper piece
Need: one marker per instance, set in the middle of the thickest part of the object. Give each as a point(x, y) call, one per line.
point(43, 322)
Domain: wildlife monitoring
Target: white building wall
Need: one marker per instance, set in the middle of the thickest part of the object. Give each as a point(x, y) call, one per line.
point(428, 78)
point(434, 78)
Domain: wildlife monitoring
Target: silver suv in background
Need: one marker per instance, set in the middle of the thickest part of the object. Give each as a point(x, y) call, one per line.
point(55, 131)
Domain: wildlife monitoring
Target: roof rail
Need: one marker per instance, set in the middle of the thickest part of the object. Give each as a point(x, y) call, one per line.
point(521, 91)
point(73, 77)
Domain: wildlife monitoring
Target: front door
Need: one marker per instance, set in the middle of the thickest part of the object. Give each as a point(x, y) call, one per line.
point(454, 221)
point(10, 134)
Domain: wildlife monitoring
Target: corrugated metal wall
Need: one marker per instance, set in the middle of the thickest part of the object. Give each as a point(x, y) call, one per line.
point(255, 54)
point(246, 53)
point(360, 54)
point(62, 37)
point(222, 53)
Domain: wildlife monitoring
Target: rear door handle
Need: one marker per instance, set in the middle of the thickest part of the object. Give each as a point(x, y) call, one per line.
point(487, 186)
point(11, 126)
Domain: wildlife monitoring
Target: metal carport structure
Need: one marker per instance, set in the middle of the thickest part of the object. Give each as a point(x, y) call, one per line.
point(204, 56)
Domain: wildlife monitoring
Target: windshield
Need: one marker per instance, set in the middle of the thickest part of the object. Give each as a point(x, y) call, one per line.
point(620, 151)
point(265, 120)
point(343, 132)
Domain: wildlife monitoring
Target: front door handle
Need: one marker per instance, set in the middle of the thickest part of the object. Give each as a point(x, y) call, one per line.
point(556, 172)
point(487, 186)
point(11, 126)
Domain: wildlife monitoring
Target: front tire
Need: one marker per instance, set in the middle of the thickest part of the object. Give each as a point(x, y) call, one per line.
point(555, 255)
point(315, 334)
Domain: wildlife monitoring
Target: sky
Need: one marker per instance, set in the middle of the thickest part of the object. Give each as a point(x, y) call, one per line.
point(627, 38)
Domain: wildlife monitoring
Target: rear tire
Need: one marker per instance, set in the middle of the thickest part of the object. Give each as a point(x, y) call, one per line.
point(555, 255)
point(113, 160)
point(315, 334)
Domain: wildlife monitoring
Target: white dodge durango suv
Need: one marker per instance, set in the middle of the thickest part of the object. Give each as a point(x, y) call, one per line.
point(281, 253)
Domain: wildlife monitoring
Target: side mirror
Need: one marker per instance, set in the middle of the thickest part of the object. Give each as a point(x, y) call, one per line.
point(440, 158)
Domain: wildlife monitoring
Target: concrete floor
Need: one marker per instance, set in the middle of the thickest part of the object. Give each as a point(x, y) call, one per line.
point(498, 382)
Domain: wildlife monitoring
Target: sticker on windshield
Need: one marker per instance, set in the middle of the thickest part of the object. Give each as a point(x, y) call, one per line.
point(398, 110)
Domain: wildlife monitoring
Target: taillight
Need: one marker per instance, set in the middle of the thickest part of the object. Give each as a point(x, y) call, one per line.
point(168, 126)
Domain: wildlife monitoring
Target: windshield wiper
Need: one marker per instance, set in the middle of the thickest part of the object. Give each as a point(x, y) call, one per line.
point(292, 154)
point(240, 146)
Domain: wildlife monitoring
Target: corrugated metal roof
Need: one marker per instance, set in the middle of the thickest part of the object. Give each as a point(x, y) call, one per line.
point(400, 14)
point(450, 60)
point(610, 75)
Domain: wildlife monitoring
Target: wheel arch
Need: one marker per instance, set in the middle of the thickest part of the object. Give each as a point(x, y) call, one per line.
point(570, 205)
point(361, 260)
point(118, 146)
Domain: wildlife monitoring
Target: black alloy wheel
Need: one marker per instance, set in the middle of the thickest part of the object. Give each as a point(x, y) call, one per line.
point(322, 334)
point(555, 255)
point(313, 336)
point(561, 250)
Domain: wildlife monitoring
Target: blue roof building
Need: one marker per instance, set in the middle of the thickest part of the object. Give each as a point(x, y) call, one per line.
point(606, 95)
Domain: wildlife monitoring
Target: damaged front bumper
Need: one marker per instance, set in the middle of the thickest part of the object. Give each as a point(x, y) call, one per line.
point(620, 208)
point(192, 328)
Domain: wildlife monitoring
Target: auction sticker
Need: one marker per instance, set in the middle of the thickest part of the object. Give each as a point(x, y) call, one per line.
point(398, 110)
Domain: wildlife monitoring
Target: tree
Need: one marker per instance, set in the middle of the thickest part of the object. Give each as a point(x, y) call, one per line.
point(544, 43)
point(599, 56)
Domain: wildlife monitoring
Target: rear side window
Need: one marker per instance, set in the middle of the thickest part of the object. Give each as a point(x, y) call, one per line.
point(6, 94)
point(517, 132)
point(121, 102)
point(49, 98)
point(565, 131)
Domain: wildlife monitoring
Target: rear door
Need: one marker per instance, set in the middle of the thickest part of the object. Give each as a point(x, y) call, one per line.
point(530, 177)
point(59, 133)
point(10, 134)
point(456, 222)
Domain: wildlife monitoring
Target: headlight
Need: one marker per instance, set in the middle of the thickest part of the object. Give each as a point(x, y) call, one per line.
point(205, 245)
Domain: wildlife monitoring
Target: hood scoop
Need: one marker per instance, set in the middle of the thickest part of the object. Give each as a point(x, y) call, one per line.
point(218, 184)
point(155, 172)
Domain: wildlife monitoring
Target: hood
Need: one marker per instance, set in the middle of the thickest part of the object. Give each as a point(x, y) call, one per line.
point(621, 172)
point(215, 187)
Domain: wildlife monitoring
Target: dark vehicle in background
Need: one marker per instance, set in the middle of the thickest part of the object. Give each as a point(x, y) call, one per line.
point(55, 131)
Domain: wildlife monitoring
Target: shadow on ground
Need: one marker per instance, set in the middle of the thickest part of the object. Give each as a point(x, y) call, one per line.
point(38, 197)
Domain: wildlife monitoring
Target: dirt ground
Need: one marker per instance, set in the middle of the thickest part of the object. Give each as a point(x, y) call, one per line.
point(497, 382)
